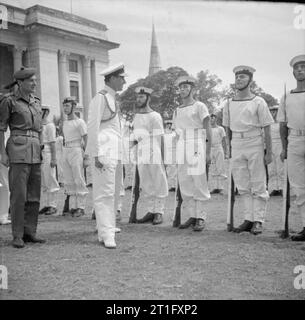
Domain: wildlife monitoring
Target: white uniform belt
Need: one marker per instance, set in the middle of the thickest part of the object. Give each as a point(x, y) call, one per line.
point(72, 144)
point(295, 132)
point(247, 134)
point(216, 145)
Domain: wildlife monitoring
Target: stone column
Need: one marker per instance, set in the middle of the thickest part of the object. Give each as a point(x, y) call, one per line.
point(87, 89)
point(64, 90)
point(17, 56)
point(93, 78)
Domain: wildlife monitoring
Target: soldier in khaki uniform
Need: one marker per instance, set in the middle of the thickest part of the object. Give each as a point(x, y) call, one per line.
point(21, 112)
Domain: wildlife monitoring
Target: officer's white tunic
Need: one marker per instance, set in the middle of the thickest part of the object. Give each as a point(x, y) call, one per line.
point(217, 170)
point(292, 111)
point(4, 189)
point(148, 129)
point(276, 167)
point(105, 142)
point(246, 118)
point(49, 183)
point(74, 180)
point(191, 159)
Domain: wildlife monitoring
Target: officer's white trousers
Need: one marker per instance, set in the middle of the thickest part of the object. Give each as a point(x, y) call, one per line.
point(276, 170)
point(296, 170)
point(49, 183)
point(74, 180)
point(171, 170)
point(249, 175)
point(192, 178)
point(154, 187)
point(106, 185)
point(4, 193)
point(217, 168)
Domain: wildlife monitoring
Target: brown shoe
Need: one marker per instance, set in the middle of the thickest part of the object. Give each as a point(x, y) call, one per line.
point(199, 225)
point(147, 218)
point(188, 223)
point(257, 228)
point(246, 226)
point(158, 219)
point(33, 239)
point(18, 243)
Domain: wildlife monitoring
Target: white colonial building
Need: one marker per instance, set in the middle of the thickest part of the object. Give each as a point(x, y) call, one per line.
point(68, 52)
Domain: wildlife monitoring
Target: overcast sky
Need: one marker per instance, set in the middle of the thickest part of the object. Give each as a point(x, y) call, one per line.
point(197, 35)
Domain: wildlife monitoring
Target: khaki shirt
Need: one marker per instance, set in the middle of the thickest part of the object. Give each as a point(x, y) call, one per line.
point(18, 113)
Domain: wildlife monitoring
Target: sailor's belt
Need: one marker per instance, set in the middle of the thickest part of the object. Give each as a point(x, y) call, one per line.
point(28, 133)
point(295, 132)
point(247, 134)
point(72, 144)
point(216, 145)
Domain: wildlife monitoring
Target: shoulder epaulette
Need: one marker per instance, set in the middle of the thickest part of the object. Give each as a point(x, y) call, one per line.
point(6, 95)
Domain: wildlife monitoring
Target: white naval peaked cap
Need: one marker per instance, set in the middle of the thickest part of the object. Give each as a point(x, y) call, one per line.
point(143, 90)
point(185, 79)
point(297, 59)
point(117, 70)
point(45, 107)
point(274, 107)
point(244, 69)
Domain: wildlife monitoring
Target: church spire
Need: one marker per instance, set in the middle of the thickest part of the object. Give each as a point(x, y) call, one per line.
point(155, 63)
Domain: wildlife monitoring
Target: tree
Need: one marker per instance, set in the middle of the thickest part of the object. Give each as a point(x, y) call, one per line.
point(165, 97)
point(207, 91)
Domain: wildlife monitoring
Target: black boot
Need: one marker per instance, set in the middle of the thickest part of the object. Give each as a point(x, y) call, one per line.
point(300, 236)
point(245, 226)
point(188, 223)
point(257, 228)
point(149, 217)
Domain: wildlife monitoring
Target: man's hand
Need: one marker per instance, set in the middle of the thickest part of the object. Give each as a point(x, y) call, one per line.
point(98, 164)
point(268, 158)
point(283, 155)
point(4, 159)
point(86, 162)
point(53, 163)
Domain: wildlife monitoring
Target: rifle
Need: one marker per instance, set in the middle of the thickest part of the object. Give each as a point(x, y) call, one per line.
point(286, 204)
point(286, 193)
point(231, 184)
point(231, 200)
point(135, 196)
point(177, 217)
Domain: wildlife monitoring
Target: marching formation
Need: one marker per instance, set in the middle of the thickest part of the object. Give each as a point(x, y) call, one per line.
point(265, 147)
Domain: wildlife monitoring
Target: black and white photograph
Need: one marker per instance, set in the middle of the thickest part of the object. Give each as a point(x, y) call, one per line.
point(153, 152)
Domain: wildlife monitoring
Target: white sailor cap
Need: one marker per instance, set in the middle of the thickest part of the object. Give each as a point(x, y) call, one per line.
point(185, 79)
point(116, 70)
point(45, 107)
point(244, 69)
point(273, 108)
point(143, 90)
point(297, 59)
